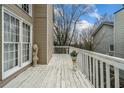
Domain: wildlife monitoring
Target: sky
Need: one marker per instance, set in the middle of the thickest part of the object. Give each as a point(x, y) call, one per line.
point(99, 9)
point(89, 19)
point(102, 9)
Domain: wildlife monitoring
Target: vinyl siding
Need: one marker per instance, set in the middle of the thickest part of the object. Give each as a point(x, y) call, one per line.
point(42, 34)
point(119, 34)
point(42, 30)
point(18, 11)
point(50, 32)
point(0, 42)
point(103, 39)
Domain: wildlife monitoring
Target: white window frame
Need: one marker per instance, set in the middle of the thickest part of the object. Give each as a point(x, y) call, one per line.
point(30, 9)
point(20, 64)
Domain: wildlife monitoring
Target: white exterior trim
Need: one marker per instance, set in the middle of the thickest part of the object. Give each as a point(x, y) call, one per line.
point(20, 64)
point(30, 9)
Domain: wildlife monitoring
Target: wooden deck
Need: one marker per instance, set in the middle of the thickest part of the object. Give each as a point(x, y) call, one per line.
point(57, 74)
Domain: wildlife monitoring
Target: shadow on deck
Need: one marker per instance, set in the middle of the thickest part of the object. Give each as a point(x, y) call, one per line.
point(57, 74)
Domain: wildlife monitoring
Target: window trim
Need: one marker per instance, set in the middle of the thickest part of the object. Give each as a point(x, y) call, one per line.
point(30, 9)
point(20, 64)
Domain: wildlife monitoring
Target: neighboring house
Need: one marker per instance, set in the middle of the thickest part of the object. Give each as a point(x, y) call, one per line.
point(119, 33)
point(103, 38)
point(109, 38)
point(21, 26)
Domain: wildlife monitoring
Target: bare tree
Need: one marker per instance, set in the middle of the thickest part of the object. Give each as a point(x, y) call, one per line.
point(87, 40)
point(65, 20)
point(86, 35)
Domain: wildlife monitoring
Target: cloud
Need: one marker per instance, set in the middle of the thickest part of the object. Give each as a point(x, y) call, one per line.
point(94, 13)
point(83, 25)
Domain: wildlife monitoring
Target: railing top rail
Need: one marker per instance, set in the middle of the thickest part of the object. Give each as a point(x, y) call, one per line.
point(115, 61)
point(96, 55)
point(100, 55)
point(61, 46)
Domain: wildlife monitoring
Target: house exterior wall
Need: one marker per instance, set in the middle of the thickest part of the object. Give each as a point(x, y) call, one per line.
point(42, 21)
point(119, 34)
point(40, 31)
point(1, 42)
point(103, 39)
point(50, 32)
point(18, 11)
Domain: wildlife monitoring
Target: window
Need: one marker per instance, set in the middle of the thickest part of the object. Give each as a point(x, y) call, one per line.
point(11, 41)
point(27, 8)
point(17, 43)
point(111, 48)
point(26, 42)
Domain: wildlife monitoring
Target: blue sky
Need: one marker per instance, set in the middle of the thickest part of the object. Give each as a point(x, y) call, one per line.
point(102, 9)
point(99, 9)
point(88, 20)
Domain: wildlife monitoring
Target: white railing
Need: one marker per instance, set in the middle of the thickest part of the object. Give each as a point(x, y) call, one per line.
point(101, 70)
point(61, 49)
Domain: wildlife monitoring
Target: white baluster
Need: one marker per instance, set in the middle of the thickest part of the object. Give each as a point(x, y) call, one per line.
point(108, 75)
point(94, 71)
point(116, 74)
point(101, 75)
point(86, 63)
point(97, 77)
point(81, 63)
point(87, 67)
point(90, 69)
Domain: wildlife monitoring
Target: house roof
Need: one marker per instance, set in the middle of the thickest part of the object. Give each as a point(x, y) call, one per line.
point(100, 26)
point(119, 10)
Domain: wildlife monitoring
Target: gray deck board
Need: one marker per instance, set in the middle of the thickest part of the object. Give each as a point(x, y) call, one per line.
point(57, 74)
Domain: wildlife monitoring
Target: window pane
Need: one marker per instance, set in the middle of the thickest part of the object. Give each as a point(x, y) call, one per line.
point(11, 34)
point(5, 67)
point(6, 27)
point(26, 8)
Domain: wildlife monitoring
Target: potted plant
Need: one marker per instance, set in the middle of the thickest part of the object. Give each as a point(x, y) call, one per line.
point(74, 57)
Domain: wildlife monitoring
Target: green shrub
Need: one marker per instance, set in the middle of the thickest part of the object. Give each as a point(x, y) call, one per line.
point(73, 53)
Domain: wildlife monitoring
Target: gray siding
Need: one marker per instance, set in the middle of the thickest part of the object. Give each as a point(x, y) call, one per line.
point(103, 39)
point(49, 32)
point(119, 34)
point(42, 31)
point(0, 42)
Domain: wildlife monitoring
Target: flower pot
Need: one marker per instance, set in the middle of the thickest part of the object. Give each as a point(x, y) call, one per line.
point(74, 63)
point(74, 59)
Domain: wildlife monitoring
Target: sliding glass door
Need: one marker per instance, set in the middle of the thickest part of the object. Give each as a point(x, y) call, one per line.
point(11, 42)
point(26, 43)
point(17, 45)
